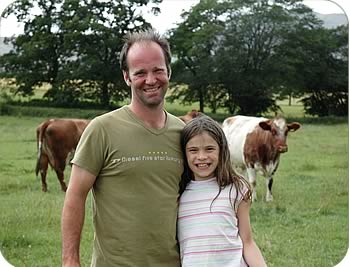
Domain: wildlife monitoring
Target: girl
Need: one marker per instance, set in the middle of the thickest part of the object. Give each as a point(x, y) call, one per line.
point(213, 220)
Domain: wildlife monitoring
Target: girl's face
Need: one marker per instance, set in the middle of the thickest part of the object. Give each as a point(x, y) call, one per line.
point(202, 153)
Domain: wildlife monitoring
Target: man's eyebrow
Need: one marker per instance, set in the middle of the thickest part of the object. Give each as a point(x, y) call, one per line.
point(139, 71)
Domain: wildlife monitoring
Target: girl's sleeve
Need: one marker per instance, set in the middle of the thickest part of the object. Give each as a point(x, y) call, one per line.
point(241, 194)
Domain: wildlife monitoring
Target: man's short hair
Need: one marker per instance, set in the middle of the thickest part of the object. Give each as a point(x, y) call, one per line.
point(149, 35)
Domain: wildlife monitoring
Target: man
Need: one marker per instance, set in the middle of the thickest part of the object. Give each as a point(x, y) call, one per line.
point(132, 161)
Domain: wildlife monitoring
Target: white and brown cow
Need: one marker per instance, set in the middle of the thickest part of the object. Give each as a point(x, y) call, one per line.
point(255, 145)
point(56, 142)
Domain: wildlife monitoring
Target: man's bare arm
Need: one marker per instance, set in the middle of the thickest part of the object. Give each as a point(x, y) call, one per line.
point(73, 214)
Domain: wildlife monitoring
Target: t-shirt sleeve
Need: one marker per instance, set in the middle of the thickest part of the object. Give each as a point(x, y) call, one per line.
point(90, 152)
point(241, 194)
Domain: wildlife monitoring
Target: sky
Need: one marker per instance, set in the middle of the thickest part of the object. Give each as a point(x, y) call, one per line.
point(170, 13)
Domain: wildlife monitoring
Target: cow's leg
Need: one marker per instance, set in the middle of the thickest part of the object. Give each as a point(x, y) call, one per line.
point(43, 166)
point(60, 176)
point(269, 182)
point(252, 180)
point(60, 164)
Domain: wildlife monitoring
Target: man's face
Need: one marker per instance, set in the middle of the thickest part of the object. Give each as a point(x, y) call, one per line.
point(147, 75)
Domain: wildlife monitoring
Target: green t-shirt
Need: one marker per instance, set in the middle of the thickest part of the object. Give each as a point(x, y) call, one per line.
point(135, 194)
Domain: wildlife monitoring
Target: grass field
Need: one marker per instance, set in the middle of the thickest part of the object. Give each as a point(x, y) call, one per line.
point(306, 225)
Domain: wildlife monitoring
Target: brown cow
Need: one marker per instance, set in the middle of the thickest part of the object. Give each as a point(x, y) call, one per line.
point(56, 142)
point(256, 144)
point(190, 115)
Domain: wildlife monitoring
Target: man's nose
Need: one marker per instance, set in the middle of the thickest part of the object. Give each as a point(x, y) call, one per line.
point(151, 79)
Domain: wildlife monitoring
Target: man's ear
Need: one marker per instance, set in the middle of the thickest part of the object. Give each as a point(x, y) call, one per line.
point(169, 73)
point(126, 77)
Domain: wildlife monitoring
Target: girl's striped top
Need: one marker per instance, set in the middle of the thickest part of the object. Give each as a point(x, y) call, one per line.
point(207, 230)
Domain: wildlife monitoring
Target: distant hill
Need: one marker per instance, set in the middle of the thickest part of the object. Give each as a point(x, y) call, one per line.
point(333, 20)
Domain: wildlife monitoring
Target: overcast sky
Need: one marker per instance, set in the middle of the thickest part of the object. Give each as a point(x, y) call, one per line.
point(170, 13)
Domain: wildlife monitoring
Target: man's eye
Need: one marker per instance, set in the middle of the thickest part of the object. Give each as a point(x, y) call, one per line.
point(139, 74)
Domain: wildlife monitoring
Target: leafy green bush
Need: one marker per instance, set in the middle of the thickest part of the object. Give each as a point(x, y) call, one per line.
point(13, 110)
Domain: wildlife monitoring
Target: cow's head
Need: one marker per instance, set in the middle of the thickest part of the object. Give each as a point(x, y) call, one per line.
point(190, 115)
point(279, 130)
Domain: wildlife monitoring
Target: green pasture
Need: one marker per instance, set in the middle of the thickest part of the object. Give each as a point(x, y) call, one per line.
point(305, 225)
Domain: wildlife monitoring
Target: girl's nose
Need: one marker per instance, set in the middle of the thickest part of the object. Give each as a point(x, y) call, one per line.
point(202, 155)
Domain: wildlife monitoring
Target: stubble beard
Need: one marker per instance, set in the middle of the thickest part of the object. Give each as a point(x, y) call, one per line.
point(153, 102)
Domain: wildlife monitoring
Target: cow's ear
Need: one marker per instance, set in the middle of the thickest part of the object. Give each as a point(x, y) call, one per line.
point(265, 125)
point(292, 127)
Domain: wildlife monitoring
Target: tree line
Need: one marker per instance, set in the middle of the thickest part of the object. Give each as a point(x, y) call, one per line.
point(241, 55)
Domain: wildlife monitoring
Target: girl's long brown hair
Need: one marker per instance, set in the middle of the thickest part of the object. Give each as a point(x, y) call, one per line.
point(225, 175)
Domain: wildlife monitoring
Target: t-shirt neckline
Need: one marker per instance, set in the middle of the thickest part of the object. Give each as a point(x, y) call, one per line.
point(152, 130)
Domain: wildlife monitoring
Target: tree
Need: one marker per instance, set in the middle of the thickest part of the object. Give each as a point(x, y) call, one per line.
point(237, 50)
point(326, 78)
point(249, 61)
point(194, 44)
point(289, 54)
point(317, 60)
point(74, 46)
point(35, 58)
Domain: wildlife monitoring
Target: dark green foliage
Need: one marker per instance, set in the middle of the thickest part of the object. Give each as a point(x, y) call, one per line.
point(47, 112)
point(318, 61)
point(73, 45)
point(194, 42)
point(245, 55)
point(239, 55)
